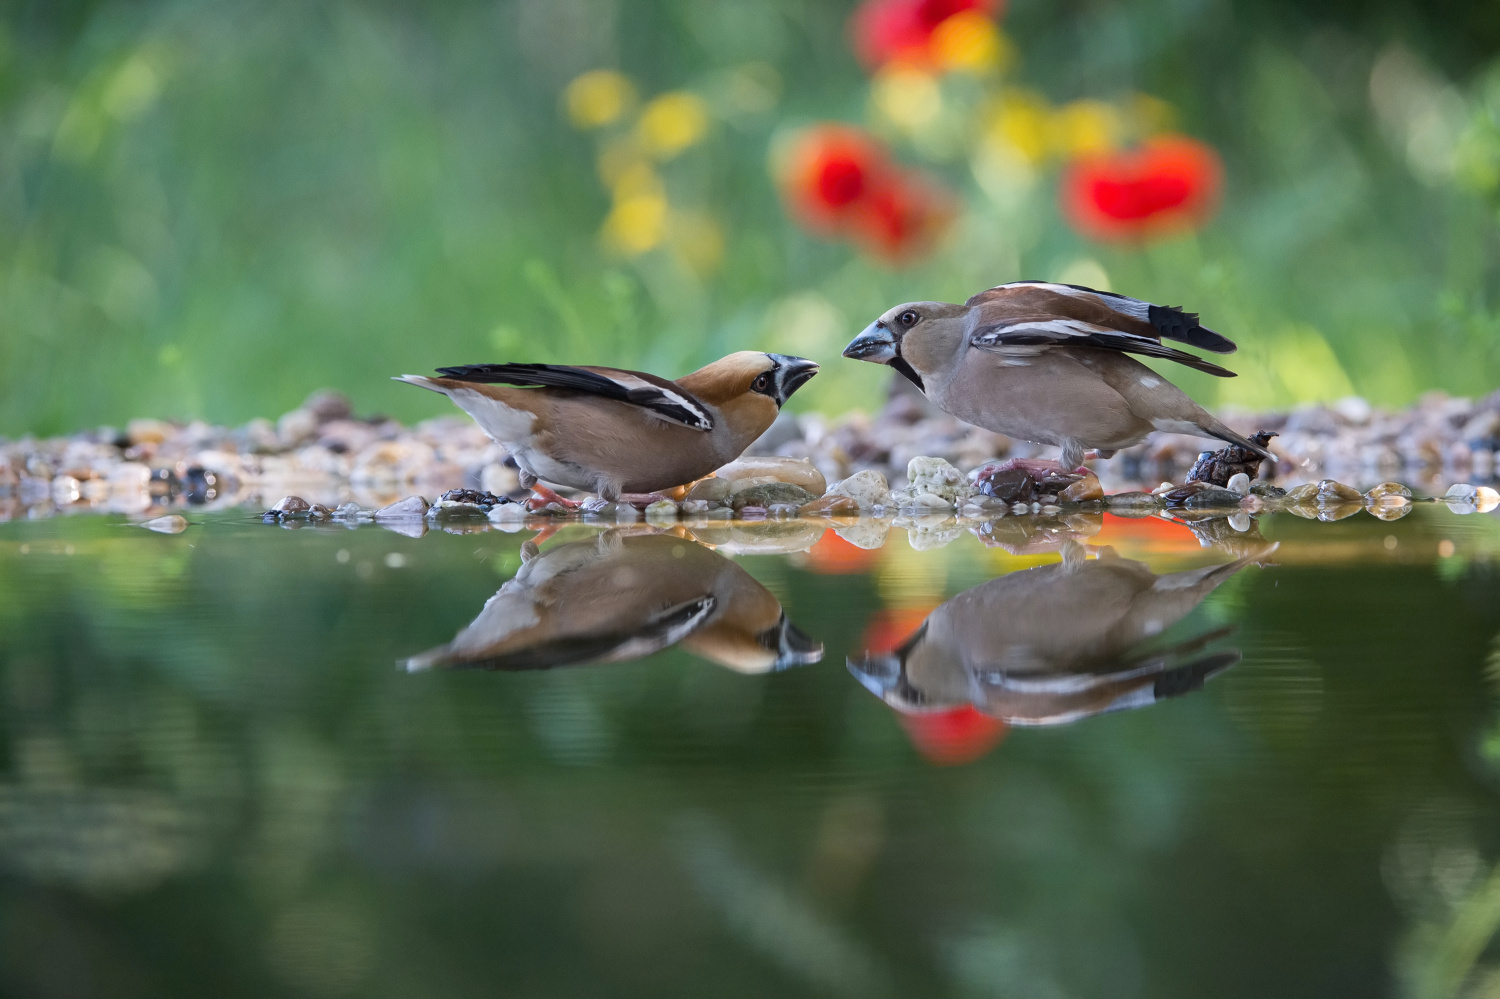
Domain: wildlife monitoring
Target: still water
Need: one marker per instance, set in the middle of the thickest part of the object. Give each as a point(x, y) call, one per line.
point(1045, 760)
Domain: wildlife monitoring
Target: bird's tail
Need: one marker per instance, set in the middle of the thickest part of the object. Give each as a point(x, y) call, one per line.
point(1223, 433)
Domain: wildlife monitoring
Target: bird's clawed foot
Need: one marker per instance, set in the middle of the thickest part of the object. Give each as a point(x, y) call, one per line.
point(541, 496)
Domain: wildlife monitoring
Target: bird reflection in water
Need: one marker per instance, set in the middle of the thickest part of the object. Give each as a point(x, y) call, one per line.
point(1055, 643)
point(623, 596)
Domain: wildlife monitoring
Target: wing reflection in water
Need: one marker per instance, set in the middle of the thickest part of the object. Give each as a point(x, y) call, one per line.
point(624, 596)
point(1055, 643)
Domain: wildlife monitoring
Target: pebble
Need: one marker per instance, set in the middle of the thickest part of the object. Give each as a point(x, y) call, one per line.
point(1464, 498)
point(1239, 482)
point(1085, 490)
point(1332, 492)
point(412, 507)
point(980, 505)
point(711, 490)
point(466, 500)
point(867, 533)
point(507, 513)
point(170, 524)
point(66, 490)
point(937, 477)
point(1200, 495)
point(926, 501)
point(1133, 503)
point(662, 510)
point(1390, 508)
point(1387, 489)
point(330, 454)
point(796, 471)
point(867, 488)
point(832, 505)
point(405, 526)
point(290, 506)
point(763, 494)
point(1338, 511)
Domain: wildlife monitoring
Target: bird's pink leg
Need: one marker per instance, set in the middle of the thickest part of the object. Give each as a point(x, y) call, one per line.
point(541, 496)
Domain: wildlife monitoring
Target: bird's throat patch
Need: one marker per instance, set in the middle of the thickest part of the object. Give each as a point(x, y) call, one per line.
point(908, 372)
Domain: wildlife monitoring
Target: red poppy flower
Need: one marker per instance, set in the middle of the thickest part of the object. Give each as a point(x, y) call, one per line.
point(830, 172)
point(884, 31)
point(953, 737)
point(902, 220)
point(833, 556)
point(1170, 184)
point(839, 181)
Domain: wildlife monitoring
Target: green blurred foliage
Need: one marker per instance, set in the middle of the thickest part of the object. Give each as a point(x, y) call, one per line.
point(212, 209)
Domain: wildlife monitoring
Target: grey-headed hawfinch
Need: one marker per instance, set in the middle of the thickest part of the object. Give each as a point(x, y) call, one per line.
point(1056, 643)
point(1052, 364)
point(611, 431)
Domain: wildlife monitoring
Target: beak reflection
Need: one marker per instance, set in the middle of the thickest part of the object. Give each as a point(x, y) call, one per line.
point(619, 597)
point(1056, 643)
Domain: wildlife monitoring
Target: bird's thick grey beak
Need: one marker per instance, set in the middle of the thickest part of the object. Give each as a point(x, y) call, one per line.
point(877, 672)
point(792, 646)
point(875, 344)
point(791, 374)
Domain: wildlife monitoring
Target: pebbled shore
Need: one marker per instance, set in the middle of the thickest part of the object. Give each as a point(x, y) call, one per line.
point(323, 452)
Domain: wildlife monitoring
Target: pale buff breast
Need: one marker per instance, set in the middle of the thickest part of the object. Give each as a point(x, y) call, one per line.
point(1048, 397)
point(594, 440)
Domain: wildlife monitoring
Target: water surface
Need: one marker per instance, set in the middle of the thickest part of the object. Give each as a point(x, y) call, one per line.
point(242, 760)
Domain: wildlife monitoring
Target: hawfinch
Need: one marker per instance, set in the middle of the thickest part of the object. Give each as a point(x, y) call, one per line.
point(611, 431)
point(623, 596)
point(1054, 643)
point(1051, 364)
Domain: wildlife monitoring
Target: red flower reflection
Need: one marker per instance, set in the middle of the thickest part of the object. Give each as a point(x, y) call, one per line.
point(833, 556)
point(839, 181)
point(955, 736)
point(947, 737)
point(891, 626)
point(1170, 184)
point(885, 31)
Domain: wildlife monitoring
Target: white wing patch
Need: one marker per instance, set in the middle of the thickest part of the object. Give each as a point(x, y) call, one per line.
point(1057, 331)
point(654, 399)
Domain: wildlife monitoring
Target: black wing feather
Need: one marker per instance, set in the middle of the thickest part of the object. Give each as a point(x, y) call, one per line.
point(565, 376)
point(1174, 324)
point(1024, 333)
point(1169, 321)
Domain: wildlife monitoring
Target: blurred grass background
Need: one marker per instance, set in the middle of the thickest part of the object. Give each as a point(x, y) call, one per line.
point(208, 210)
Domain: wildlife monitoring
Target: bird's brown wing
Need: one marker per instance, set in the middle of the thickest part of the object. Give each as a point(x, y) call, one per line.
point(1102, 308)
point(1026, 334)
point(657, 395)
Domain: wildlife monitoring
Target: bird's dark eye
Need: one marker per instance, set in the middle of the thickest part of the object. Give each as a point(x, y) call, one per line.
point(909, 318)
point(762, 382)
